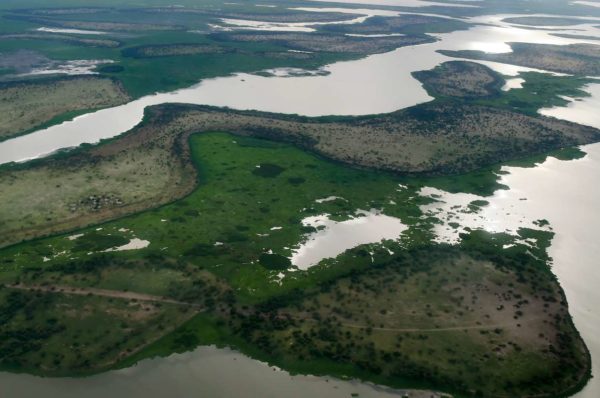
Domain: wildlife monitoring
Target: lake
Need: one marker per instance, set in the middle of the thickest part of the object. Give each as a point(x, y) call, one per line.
point(566, 193)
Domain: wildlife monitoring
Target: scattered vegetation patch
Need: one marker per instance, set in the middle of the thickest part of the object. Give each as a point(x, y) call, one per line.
point(575, 59)
point(268, 170)
point(95, 241)
point(129, 173)
point(170, 50)
point(461, 79)
point(29, 105)
point(316, 42)
point(274, 261)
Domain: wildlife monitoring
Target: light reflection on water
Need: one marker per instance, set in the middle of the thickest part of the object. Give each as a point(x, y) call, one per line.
point(376, 84)
point(206, 372)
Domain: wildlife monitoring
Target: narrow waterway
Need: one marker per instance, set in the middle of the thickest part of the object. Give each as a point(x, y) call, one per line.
point(376, 84)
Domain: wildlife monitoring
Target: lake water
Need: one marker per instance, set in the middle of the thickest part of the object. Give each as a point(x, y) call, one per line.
point(335, 237)
point(376, 84)
point(206, 372)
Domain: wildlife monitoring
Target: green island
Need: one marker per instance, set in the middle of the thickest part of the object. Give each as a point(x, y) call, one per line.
point(232, 284)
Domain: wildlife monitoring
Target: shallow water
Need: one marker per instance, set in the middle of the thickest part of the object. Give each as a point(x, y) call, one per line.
point(583, 110)
point(401, 3)
point(73, 67)
point(74, 31)
point(205, 372)
point(379, 83)
point(243, 24)
point(337, 237)
point(587, 3)
point(516, 82)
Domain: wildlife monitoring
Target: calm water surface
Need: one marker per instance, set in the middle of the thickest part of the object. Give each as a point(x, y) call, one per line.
point(376, 84)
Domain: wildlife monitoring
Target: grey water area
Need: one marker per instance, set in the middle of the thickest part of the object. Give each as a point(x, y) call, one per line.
point(205, 372)
point(379, 83)
point(566, 193)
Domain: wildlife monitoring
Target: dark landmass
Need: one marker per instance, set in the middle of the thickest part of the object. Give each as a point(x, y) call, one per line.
point(325, 42)
point(430, 139)
point(473, 319)
point(461, 79)
point(175, 49)
point(408, 23)
point(576, 59)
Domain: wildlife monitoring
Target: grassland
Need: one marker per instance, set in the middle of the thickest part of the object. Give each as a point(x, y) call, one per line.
point(171, 50)
point(445, 316)
point(378, 312)
point(575, 59)
point(137, 172)
point(151, 166)
point(38, 325)
point(25, 106)
point(326, 42)
point(185, 47)
point(474, 83)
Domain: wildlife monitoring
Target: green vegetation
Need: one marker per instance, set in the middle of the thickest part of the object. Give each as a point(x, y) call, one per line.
point(477, 84)
point(467, 80)
point(150, 165)
point(201, 225)
point(26, 106)
point(37, 326)
point(181, 232)
point(540, 91)
point(380, 312)
point(171, 50)
point(445, 316)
